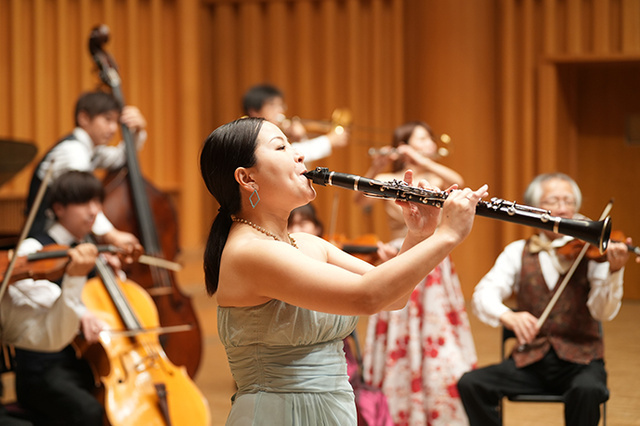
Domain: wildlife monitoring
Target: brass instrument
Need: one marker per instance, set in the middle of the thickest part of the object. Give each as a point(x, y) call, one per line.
point(445, 147)
point(596, 233)
point(341, 118)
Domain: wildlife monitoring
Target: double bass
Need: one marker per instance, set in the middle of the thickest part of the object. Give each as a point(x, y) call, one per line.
point(135, 381)
point(132, 204)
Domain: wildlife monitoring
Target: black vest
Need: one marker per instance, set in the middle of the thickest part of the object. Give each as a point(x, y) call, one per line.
point(40, 219)
point(570, 329)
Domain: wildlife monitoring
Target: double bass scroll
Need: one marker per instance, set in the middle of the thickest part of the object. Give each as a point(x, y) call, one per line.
point(133, 204)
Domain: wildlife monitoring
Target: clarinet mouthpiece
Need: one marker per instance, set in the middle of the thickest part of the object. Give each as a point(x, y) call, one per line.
point(319, 176)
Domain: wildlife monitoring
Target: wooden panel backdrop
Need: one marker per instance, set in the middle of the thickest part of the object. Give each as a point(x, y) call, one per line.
point(45, 65)
point(518, 84)
point(323, 55)
point(571, 72)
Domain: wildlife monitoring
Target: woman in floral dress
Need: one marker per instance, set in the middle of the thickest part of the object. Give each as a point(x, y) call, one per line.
point(417, 354)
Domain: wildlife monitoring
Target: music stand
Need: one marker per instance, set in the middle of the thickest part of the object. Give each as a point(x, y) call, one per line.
point(14, 155)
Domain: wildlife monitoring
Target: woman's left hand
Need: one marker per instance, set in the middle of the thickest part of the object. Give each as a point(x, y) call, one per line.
point(421, 219)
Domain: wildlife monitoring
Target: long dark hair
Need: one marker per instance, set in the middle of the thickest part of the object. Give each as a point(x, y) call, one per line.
point(230, 146)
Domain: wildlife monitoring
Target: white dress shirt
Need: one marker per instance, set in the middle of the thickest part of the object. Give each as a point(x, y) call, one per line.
point(37, 314)
point(83, 155)
point(605, 295)
point(314, 149)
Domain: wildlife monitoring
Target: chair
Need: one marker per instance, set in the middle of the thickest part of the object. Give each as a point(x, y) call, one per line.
point(544, 397)
point(7, 366)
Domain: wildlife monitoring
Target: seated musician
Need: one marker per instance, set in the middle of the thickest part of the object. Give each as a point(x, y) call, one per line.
point(98, 116)
point(57, 387)
point(564, 353)
point(26, 323)
point(267, 101)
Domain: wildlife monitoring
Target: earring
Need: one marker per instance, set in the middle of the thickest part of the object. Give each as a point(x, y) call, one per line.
point(254, 204)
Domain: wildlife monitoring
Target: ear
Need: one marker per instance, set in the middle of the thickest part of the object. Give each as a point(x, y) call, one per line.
point(245, 180)
point(83, 118)
point(57, 209)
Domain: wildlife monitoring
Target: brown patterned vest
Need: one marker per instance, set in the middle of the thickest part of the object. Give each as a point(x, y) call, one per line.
point(570, 328)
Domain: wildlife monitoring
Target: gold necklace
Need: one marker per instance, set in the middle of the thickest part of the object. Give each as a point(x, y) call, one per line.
point(264, 231)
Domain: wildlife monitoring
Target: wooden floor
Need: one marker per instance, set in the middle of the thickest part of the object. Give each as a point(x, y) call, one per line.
point(622, 343)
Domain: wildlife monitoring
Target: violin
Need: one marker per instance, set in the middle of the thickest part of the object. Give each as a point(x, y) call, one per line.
point(573, 247)
point(46, 264)
point(135, 381)
point(50, 262)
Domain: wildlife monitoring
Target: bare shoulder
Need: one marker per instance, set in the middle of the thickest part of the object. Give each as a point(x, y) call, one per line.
point(242, 263)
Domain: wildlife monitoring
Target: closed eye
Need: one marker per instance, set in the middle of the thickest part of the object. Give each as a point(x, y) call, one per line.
point(286, 144)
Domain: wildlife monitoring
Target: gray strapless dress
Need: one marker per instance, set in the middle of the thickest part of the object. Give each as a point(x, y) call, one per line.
point(289, 365)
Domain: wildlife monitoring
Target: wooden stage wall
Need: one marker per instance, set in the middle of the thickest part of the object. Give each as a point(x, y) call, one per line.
point(522, 87)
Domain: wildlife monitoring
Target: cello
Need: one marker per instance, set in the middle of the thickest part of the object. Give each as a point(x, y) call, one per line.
point(132, 204)
point(135, 381)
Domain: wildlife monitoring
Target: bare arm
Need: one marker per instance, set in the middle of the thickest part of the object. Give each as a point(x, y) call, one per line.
point(257, 270)
point(447, 175)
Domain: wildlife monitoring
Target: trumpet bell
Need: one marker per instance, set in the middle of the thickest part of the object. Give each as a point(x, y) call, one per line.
point(341, 119)
point(445, 147)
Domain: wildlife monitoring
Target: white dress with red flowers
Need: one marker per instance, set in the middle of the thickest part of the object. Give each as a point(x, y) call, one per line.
point(417, 354)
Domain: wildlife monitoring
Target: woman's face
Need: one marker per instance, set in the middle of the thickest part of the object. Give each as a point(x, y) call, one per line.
point(279, 168)
point(421, 141)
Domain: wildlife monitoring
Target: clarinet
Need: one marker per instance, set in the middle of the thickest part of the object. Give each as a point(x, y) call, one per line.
point(596, 233)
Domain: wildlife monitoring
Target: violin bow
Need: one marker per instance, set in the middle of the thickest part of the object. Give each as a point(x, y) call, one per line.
point(27, 226)
point(102, 248)
point(573, 268)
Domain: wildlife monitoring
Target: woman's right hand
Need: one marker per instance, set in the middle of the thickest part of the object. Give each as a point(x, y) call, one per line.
point(459, 209)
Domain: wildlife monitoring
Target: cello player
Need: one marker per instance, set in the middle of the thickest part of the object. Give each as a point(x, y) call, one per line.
point(57, 386)
point(25, 323)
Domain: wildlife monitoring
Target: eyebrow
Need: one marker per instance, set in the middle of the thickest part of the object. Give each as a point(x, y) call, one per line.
point(278, 139)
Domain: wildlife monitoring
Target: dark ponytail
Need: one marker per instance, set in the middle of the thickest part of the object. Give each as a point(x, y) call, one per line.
point(230, 146)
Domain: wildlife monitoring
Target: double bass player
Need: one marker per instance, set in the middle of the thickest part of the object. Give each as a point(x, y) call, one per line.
point(98, 116)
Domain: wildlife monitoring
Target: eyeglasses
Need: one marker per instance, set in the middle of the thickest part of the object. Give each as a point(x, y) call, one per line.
point(556, 202)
